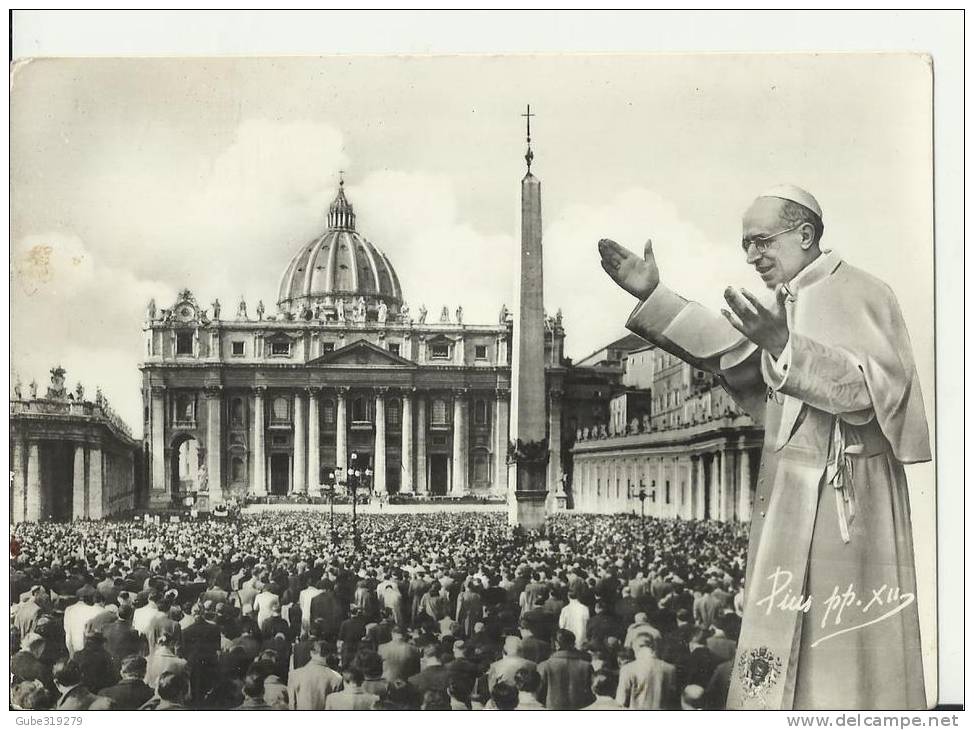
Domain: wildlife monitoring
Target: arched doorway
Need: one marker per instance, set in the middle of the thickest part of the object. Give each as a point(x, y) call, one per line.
point(186, 476)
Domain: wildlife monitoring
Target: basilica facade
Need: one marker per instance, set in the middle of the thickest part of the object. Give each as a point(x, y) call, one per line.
point(342, 375)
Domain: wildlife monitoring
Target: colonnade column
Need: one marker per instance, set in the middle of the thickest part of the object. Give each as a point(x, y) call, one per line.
point(662, 508)
point(744, 495)
point(257, 444)
point(341, 430)
point(214, 443)
point(501, 427)
point(408, 467)
point(728, 478)
point(20, 480)
point(300, 442)
point(421, 444)
point(96, 504)
point(79, 496)
point(158, 488)
point(459, 443)
point(379, 460)
point(692, 495)
point(314, 444)
point(32, 497)
point(715, 485)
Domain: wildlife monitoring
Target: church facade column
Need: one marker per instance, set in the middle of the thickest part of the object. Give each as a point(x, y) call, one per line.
point(19, 501)
point(744, 493)
point(214, 443)
point(556, 487)
point(501, 429)
point(260, 466)
point(408, 463)
point(96, 484)
point(379, 460)
point(341, 430)
point(159, 490)
point(79, 494)
point(32, 497)
point(314, 441)
point(421, 443)
point(459, 487)
point(300, 442)
point(692, 504)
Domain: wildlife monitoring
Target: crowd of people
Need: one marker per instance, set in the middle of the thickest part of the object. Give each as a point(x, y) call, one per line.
point(431, 611)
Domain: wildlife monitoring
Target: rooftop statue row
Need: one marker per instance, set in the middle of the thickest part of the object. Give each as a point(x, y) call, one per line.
point(60, 398)
point(337, 309)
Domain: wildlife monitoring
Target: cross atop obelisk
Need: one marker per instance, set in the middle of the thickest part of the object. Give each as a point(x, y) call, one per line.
point(529, 155)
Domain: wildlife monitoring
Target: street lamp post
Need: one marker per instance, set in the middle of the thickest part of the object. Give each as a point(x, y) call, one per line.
point(642, 501)
point(331, 505)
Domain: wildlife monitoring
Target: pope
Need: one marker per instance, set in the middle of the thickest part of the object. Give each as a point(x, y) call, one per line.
point(824, 362)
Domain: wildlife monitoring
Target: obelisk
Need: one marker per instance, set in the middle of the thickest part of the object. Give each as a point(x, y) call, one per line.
point(528, 447)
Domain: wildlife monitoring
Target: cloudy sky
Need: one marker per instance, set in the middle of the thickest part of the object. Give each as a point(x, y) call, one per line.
point(134, 178)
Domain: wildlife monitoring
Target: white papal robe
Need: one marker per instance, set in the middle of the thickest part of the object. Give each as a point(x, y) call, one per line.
point(830, 613)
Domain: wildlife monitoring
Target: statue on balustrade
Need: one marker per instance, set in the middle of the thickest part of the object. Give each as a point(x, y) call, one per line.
point(150, 311)
point(216, 309)
point(260, 309)
point(404, 313)
point(459, 315)
point(422, 314)
point(33, 389)
point(340, 309)
point(502, 317)
point(79, 393)
point(242, 308)
point(383, 313)
point(603, 433)
point(647, 423)
point(444, 315)
point(634, 426)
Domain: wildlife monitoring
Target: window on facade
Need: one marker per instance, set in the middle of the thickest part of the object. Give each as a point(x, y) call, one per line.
point(394, 348)
point(438, 412)
point(184, 408)
point(360, 409)
point(280, 348)
point(440, 352)
point(237, 469)
point(328, 412)
point(667, 487)
point(237, 348)
point(236, 412)
point(480, 412)
point(393, 412)
point(281, 409)
point(481, 467)
point(184, 343)
point(480, 352)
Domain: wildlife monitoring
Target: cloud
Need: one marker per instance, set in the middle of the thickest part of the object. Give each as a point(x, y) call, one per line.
point(594, 307)
point(69, 307)
point(413, 218)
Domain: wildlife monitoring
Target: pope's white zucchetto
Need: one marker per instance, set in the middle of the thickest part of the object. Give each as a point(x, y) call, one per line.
point(796, 195)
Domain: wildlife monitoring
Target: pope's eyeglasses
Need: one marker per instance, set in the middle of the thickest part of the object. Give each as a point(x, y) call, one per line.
point(763, 243)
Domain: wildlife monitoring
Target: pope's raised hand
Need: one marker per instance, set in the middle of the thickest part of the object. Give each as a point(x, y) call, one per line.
point(766, 327)
point(638, 276)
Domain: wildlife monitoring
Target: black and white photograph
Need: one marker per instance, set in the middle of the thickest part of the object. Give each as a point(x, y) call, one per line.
point(478, 381)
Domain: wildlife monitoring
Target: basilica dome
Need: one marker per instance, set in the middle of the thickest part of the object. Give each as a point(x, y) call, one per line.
point(340, 264)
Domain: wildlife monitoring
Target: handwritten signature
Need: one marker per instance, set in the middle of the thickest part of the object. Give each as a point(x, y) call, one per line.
point(839, 604)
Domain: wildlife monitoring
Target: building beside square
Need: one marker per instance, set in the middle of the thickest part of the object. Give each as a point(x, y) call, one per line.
point(70, 458)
